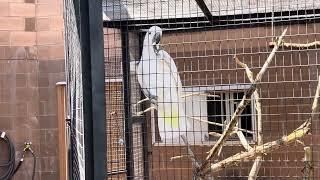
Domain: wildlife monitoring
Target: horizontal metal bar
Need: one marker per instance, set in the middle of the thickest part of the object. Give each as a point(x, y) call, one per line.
point(230, 21)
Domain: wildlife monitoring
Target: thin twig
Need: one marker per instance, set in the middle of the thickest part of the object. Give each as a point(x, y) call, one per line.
point(221, 125)
point(190, 152)
point(215, 134)
point(314, 105)
point(199, 94)
point(178, 157)
point(248, 71)
point(314, 44)
point(300, 142)
point(244, 102)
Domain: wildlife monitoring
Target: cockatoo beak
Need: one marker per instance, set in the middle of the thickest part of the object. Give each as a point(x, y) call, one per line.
point(156, 41)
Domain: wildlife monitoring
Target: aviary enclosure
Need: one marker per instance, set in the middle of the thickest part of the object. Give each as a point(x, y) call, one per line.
point(200, 89)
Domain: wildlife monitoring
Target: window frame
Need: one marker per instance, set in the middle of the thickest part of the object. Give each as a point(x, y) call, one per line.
point(229, 110)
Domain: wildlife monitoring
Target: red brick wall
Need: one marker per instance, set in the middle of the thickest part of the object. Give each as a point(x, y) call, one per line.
point(31, 62)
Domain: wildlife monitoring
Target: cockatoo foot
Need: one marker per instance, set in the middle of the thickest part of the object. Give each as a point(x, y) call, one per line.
point(141, 101)
point(147, 110)
point(152, 99)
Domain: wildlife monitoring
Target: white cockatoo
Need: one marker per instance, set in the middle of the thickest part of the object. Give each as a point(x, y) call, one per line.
point(160, 82)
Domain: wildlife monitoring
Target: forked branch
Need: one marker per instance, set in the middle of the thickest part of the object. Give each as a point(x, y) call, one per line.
point(262, 149)
point(258, 161)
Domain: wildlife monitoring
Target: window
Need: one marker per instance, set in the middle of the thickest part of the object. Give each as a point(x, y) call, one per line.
point(220, 110)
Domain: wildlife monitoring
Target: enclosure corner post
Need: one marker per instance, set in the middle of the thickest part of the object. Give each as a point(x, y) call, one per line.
point(93, 74)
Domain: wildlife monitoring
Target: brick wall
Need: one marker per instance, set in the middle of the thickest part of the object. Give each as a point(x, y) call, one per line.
point(31, 62)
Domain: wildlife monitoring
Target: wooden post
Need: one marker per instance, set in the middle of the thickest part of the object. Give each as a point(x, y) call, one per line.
point(308, 168)
point(61, 108)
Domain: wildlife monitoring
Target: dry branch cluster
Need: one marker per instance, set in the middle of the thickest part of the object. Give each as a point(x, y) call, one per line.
point(202, 170)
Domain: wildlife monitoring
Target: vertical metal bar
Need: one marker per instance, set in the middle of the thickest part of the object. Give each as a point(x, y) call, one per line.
point(91, 38)
point(145, 127)
point(127, 103)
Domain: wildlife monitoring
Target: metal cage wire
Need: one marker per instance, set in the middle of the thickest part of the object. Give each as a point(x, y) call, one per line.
point(202, 37)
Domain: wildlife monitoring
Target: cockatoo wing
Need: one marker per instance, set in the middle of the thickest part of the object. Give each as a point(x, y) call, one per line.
point(147, 77)
point(175, 74)
point(171, 112)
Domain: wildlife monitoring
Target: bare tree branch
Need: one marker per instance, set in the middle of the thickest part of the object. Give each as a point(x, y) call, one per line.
point(255, 168)
point(242, 138)
point(257, 163)
point(297, 134)
point(244, 102)
point(244, 141)
point(314, 44)
point(270, 57)
point(248, 71)
point(262, 149)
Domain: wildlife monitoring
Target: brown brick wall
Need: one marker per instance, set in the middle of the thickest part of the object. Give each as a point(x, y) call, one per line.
point(31, 62)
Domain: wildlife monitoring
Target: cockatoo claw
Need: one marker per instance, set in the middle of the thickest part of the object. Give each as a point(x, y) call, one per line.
point(141, 101)
point(147, 110)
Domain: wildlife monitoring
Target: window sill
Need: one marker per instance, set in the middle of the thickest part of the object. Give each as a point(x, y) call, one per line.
point(203, 143)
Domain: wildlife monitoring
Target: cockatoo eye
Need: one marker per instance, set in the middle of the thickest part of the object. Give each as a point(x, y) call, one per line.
point(149, 32)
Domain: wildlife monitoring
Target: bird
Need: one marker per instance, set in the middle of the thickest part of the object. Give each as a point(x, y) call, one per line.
point(160, 82)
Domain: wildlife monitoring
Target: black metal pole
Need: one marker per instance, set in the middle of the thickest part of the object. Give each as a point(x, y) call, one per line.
point(204, 8)
point(127, 102)
point(92, 44)
point(145, 127)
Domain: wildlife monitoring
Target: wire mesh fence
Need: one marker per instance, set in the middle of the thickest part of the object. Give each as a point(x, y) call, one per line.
point(74, 92)
point(212, 89)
